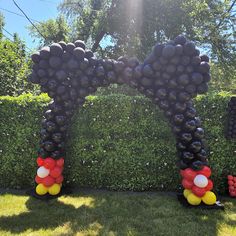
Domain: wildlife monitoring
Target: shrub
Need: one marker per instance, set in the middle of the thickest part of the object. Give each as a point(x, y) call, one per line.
point(116, 142)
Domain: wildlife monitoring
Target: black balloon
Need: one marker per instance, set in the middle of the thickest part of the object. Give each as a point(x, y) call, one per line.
point(197, 165)
point(70, 47)
point(49, 115)
point(189, 48)
point(49, 146)
point(60, 120)
point(190, 125)
point(80, 44)
point(230, 131)
point(44, 52)
point(186, 137)
point(50, 126)
point(187, 156)
point(36, 57)
point(195, 146)
point(181, 146)
point(57, 137)
point(79, 53)
point(44, 134)
point(57, 154)
point(180, 39)
point(56, 49)
point(179, 118)
point(168, 51)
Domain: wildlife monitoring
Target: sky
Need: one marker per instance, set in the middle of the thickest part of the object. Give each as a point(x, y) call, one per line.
point(39, 10)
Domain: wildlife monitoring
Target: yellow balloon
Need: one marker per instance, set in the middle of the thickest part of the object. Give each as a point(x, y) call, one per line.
point(54, 189)
point(193, 199)
point(187, 192)
point(41, 189)
point(209, 198)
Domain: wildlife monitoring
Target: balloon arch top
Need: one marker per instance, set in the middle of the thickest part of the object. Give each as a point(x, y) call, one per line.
point(171, 76)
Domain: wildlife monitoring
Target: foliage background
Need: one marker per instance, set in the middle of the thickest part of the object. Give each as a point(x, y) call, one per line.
point(116, 142)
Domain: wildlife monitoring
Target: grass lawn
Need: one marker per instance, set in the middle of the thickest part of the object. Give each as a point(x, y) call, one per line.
point(112, 213)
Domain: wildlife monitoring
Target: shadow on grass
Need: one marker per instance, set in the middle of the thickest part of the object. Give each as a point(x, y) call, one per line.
point(119, 213)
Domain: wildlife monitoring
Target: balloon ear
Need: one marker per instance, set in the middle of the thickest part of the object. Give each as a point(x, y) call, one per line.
point(182, 60)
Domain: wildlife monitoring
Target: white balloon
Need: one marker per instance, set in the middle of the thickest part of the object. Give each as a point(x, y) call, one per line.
point(200, 181)
point(42, 172)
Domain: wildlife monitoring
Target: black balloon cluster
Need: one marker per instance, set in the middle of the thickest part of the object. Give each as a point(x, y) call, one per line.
point(171, 76)
point(231, 129)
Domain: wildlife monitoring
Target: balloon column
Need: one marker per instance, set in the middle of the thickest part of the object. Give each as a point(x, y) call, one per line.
point(49, 175)
point(171, 76)
point(231, 131)
point(232, 185)
point(197, 186)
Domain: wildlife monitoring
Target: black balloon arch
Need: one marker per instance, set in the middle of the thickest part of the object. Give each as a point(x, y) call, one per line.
point(171, 76)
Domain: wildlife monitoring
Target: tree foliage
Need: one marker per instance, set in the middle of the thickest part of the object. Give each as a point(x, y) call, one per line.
point(1, 24)
point(14, 65)
point(132, 27)
point(52, 30)
point(213, 26)
point(135, 25)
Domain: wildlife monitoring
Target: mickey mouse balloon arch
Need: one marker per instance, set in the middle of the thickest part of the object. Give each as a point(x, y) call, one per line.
point(171, 76)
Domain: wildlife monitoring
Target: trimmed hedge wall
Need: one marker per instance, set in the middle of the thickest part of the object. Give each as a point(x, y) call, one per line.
point(116, 142)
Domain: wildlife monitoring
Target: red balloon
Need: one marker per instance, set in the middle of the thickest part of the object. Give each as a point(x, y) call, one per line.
point(198, 191)
point(49, 163)
point(205, 171)
point(182, 173)
point(230, 177)
point(40, 161)
point(233, 194)
point(189, 174)
point(234, 178)
point(231, 188)
point(60, 162)
point(38, 180)
point(59, 179)
point(209, 186)
point(230, 182)
point(56, 172)
point(48, 181)
point(187, 183)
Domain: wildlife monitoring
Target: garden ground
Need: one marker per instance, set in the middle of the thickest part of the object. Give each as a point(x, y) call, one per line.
point(112, 213)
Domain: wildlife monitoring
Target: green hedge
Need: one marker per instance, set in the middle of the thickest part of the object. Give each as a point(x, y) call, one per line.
point(116, 142)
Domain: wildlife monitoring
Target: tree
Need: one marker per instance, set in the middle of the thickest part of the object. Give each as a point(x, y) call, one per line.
point(131, 27)
point(135, 25)
point(13, 68)
point(217, 31)
point(52, 30)
point(14, 65)
point(1, 24)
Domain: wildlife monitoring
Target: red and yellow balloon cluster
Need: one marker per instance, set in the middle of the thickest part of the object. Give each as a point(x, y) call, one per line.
point(232, 185)
point(198, 186)
point(49, 176)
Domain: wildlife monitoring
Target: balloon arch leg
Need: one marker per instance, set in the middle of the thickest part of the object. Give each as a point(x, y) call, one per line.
point(171, 76)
